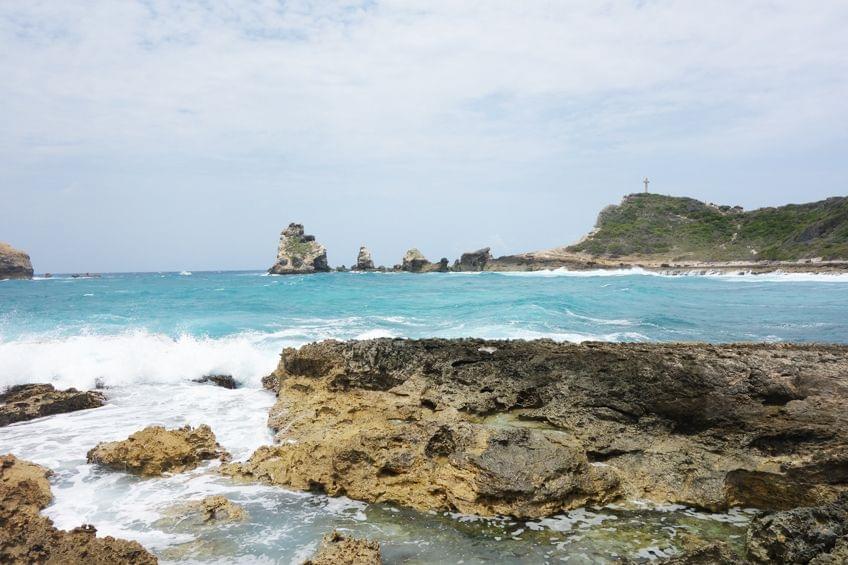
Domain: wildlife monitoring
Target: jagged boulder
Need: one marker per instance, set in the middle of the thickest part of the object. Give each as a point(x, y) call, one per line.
point(339, 549)
point(14, 263)
point(28, 537)
point(223, 381)
point(364, 262)
point(299, 253)
point(473, 260)
point(156, 450)
point(27, 402)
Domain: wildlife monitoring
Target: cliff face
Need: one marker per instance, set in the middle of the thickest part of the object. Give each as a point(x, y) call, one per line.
point(299, 253)
point(531, 428)
point(685, 229)
point(14, 263)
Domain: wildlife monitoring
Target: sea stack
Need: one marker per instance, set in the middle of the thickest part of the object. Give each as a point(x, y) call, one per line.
point(299, 254)
point(14, 263)
point(473, 260)
point(415, 262)
point(364, 262)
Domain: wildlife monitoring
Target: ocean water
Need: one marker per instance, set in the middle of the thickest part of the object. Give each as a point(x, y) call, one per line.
point(146, 336)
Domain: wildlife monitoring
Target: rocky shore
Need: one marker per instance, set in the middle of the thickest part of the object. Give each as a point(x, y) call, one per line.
point(528, 429)
point(27, 402)
point(14, 263)
point(28, 537)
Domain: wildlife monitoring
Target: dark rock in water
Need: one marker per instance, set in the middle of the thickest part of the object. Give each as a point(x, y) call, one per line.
point(534, 428)
point(799, 535)
point(14, 263)
point(27, 402)
point(299, 253)
point(28, 537)
point(156, 450)
point(700, 553)
point(474, 260)
point(339, 549)
point(364, 262)
point(342, 269)
point(85, 276)
point(225, 381)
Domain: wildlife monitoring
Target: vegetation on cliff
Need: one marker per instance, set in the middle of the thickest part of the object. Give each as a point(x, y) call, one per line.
point(680, 229)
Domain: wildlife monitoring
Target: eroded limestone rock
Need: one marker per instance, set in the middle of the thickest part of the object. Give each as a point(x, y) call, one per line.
point(299, 253)
point(799, 535)
point(339, 549)
point(223, 381)
point(14, 263)
point(473, 260)
point(27, 402)
point(532, 428)
point(156, 450)
point(364, 262)
point(28, 537)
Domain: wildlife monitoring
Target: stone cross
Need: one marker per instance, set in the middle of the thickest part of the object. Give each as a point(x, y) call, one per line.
point(646, 181)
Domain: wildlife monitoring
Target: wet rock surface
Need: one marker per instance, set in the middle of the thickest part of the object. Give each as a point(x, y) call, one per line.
point(223, 381)
point(28, 537)
point(800, 535)
point(156, 450)
point(532, 428)
point(339, 549)
point(299, 253)
point(14, 263)
point(27, 402)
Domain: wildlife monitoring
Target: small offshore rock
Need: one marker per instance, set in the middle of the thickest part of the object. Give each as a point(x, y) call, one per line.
point(364, 262)
point(210, 510)
point(339, 549)
point(299, 253)
point(798, 535)
point(473, 260)
point(414, 261)
point(223, 381)
point(28, 537)
point(27, 402)
point(156, 450)
point(14, 263)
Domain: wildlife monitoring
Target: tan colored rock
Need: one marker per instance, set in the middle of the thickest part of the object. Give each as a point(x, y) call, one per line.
point(415, 262)
point(28, 537)
point(299, 253)
point(14, 263)
point(338, 549)
point(533, 428)
point(156, 450)
point(364, 262)
point(27, 402)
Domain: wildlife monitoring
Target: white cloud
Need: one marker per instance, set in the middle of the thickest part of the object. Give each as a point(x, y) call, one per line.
point(401, 80)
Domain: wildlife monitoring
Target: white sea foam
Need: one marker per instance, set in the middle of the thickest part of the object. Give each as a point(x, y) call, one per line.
point(741, 275)
point(135, 357)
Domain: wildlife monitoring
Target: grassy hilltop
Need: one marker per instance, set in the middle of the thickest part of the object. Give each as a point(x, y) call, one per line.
point(680, 229)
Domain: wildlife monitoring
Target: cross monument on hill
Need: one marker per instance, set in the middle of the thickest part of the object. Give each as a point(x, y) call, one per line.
point(646, 181)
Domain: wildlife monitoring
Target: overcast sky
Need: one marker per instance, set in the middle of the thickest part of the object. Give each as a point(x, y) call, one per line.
point(147, 135)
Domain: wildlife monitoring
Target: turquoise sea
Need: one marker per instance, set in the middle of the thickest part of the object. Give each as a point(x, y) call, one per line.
point(146, 336)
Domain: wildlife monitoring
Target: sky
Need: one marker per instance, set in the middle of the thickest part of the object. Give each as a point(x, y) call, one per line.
point(145, 135)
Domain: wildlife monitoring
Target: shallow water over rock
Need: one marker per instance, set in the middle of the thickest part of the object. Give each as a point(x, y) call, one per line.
point(286, 526)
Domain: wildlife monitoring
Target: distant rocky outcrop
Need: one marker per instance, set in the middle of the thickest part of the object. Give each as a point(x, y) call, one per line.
point(364, 262)
point(529, 429)
point(415, 262)
point(156, 450)
point(14, 263)
point(339, 549)
point(28, 537)
point(473, 260)
point(27, 402)
point(299, 253)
